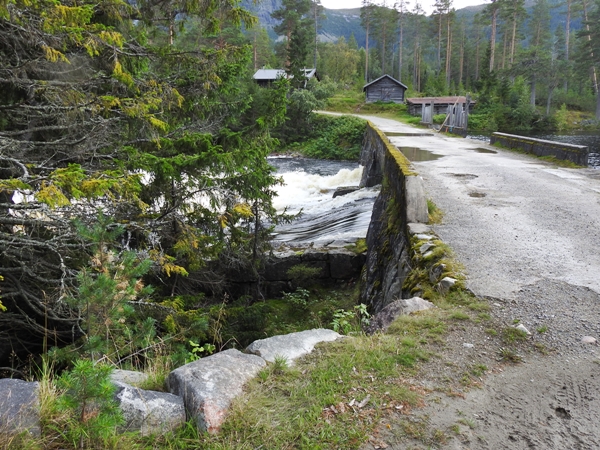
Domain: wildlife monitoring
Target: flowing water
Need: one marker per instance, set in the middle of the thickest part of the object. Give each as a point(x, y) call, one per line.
point(309, 185)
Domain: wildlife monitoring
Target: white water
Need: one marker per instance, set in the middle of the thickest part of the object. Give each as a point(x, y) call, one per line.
point(309, 187)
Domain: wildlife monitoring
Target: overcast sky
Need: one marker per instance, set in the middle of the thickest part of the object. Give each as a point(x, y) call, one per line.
point(427, 5)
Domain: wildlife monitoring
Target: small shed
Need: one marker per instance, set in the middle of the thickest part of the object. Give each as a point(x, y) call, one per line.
point(440, 104)
point(264, 77)
point(385, 89)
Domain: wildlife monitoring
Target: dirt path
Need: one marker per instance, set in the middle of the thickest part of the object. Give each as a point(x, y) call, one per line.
point(528, 234)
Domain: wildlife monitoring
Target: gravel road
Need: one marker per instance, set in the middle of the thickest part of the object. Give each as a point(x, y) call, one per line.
point(528, 234)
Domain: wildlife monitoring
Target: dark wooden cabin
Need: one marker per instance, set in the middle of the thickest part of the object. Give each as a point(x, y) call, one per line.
point(384, 89)
point(440, 104)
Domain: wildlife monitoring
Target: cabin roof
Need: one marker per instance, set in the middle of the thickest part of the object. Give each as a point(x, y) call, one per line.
point(382, 77)
point(273, 74)
point(437, 100)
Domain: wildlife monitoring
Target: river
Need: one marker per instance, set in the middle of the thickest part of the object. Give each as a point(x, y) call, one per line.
point(308, 189)
point(589, 138)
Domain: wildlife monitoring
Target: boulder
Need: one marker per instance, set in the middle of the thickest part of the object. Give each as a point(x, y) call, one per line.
point(19, 407)
point(382, 320)
point(128, 376)
point(149, 412)
point(291, 346)
point(345, 190)
point(209, 385)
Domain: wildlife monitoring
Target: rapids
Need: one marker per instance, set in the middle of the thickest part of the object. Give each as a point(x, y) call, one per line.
point(308, 189)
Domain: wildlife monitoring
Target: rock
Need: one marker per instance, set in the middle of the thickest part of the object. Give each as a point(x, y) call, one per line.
point(149, 412)
point(344, 190)
point(588, 340)
point(423, 249)
point(128, 376)
point(209, 385)
point(435, 272)
point(382, 320)
point(19, 407)
point(418, 228)
point(291, 346)
point(523, 329)
point(446, 284)
point(424, 237)
point(344, 264)
point(466, 345)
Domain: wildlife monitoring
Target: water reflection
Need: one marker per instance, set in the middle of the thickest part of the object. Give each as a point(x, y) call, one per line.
point(416, 154)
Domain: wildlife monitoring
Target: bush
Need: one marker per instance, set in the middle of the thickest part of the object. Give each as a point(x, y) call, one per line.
point(439, 119)
point(335, 138)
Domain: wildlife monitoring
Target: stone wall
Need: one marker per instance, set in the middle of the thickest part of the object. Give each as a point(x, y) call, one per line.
point(335, 265)
point(577, 154)
point(400, 202)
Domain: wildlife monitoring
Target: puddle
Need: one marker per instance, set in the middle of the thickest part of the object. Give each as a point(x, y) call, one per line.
point(416, 154)
point(483, 150)
point(477, 194)
point(395, 133)
point(466, 176)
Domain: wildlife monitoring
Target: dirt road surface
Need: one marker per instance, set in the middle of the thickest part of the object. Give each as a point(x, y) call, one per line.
point(528, 234)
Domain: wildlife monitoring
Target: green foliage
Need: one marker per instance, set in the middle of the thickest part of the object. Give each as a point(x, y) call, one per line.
point(104, 299)
point(93, 415)
point(299, 298)
point(439, 119)
point(303, 275)
point(561, 116)
point(197, 351)
point(346, 322)
point(334, 138)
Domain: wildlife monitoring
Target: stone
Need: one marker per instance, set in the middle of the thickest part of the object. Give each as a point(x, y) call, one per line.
point(435, 272)
point(416, 202)
point(291, 346)
point(209, 385)
point(522, 328)
point(588, 340)
point(128, 376)
point(467, 345)
point(149, 412)
point(344, 264)
point(344, 190)
point(423, 237)
point(382, 320)
point(425, 247)
point(19, 407)
point(446, 284)
point(418, 228)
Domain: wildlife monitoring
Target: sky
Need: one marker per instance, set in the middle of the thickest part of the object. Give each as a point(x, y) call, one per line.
point(427, 5)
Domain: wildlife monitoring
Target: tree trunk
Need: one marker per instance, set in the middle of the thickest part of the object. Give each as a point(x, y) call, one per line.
point(532, 97)
point(513, 39)
point(493, 38)
point(597, 105)
point(567, 32)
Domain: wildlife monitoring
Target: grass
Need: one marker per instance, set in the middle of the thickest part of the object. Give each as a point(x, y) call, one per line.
point(332, 398)
point(435, 214)
point(510, 335)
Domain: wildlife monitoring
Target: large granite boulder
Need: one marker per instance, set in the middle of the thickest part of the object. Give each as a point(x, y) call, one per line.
point(384, 318)
point(149, 412)
point(209, 385)
point(19, 407)
point(291, 346)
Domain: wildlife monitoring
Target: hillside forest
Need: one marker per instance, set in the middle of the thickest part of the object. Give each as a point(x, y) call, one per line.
point(134, 183)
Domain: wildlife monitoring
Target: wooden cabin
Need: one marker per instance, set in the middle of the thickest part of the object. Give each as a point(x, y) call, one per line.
point(384, 89)
point(264, 77)
point(440, 104)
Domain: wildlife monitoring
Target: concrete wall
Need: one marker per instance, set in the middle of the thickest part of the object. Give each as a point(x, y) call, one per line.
point(401, 201)
point(539, 147)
